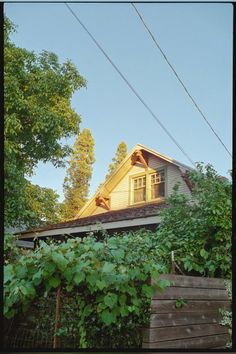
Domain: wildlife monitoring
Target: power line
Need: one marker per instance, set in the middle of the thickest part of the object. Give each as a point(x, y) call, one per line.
point(181, 82)
point(131, 87)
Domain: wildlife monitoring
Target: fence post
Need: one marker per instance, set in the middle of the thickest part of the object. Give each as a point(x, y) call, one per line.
point(172, 262)
point(56, 339)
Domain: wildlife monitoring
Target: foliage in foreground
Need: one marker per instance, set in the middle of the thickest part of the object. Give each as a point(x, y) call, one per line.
point(227, 315)
point(38, 114)
point(109, 281)
point(198, 228)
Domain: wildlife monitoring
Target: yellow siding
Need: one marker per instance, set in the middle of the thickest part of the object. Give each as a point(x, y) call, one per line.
point(120, 195)
point(99, 210)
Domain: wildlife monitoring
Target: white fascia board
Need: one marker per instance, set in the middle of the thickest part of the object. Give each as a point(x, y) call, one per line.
point(95, 227)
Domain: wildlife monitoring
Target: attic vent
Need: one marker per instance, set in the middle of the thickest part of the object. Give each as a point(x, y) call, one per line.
point(137, 156)
point(102, 200)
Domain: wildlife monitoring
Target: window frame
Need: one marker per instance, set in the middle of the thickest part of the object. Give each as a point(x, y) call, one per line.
point(147, 174)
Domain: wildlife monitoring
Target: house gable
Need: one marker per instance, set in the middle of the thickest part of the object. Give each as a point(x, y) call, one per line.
point(117, 192)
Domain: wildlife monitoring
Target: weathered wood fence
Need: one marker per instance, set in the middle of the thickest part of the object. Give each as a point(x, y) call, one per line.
point(195, 324)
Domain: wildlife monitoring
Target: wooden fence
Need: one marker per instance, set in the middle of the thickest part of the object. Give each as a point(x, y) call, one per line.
point(195, 324)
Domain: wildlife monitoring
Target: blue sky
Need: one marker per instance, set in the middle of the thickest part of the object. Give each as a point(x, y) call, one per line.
point(197, 39)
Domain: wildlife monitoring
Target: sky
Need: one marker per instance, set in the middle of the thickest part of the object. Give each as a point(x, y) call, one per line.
point(196, 38)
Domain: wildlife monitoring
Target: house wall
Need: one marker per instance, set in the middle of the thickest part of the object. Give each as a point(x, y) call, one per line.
point(173, 177)
point(120, 195)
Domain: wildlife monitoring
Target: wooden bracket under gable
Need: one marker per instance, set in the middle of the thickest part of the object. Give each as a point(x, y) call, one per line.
point(137, 156)
point(102, 200)
point(187, 180)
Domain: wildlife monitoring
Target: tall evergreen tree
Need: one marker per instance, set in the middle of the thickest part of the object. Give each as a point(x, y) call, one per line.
point(76, 182)
point(121, 153)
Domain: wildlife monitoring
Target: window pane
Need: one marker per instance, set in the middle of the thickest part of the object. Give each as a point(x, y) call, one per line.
point(158, 190)
point(139, 195)
point(140, 189)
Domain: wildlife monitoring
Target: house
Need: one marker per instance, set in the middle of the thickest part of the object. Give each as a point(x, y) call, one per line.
point(130, 198)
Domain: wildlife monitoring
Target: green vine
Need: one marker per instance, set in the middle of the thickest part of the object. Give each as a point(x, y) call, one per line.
point(110, 279)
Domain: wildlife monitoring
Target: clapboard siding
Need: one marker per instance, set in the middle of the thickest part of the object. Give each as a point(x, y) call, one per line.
point(120, 194)
point(156, 163)
point(196, 323)
point(173, 177)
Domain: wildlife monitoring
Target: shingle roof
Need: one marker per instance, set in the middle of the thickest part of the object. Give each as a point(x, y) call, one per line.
point(134, 212)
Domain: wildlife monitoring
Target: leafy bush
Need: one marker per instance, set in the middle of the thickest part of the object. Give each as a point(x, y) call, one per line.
point(110, 280)
point(198, 228)
point(227, 315)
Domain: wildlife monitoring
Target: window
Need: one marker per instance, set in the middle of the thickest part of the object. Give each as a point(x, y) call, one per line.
point(148, 187)
point(158, 185)
point(139, 189)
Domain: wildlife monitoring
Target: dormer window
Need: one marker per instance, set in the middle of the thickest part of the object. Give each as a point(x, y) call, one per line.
point(147, 187)
point(157, 185)
point(140, 189)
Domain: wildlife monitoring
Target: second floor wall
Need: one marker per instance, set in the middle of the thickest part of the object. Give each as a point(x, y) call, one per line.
point(140, 185)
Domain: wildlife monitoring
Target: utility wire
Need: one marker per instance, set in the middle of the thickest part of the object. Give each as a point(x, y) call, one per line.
point(130, 86)
point(181, 82)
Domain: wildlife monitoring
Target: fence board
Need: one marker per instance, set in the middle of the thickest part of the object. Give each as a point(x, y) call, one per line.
point(166, 306)
point(178, 332)
point(183, 318)
point(191, 293)
point(207, 342)
point(196, 282)
point(196, 323)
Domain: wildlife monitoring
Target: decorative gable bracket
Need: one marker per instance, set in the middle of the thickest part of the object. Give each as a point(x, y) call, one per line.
point(137, 156)
point(102, 200)
point(187, 180)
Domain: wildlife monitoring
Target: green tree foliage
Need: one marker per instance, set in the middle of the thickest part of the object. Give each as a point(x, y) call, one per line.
point(76, 183)
point(198, 228)
point(11, 251)
point(121, 153)
point(108, 281)
point(38, 114)
point(43, 205)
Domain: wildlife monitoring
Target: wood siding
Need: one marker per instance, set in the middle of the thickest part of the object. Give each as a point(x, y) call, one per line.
point(196, 324)
point(173, 177)
point(121, 194)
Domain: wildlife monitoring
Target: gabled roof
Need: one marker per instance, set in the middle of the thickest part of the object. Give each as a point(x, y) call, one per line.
point(123, 168)
point(148, 213)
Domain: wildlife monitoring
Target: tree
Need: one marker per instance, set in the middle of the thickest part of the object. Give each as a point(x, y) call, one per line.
point(121, 153)
point(198, 228)
point(38, 114)
point(76, 183)
point(43, 205)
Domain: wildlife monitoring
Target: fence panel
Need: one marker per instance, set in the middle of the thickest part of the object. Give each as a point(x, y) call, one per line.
point(193, 325)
